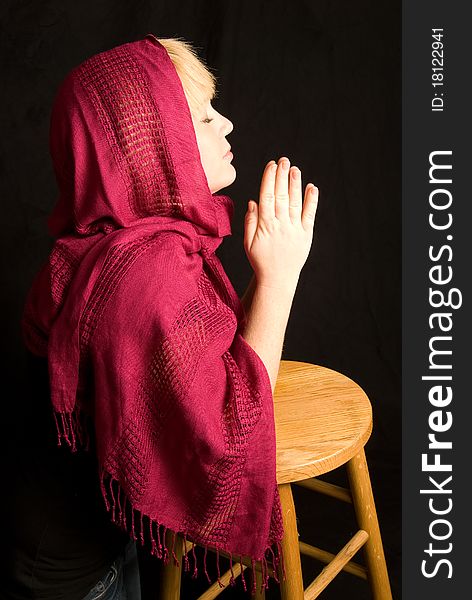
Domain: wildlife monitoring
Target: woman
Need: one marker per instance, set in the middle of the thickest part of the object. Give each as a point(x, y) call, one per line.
point(154, 364)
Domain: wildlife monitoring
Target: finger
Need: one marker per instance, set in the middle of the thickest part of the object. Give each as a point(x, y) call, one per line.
point(310, 206)
point(281, 189)
point(266, 207)
point(295, 193)
point(251, 220)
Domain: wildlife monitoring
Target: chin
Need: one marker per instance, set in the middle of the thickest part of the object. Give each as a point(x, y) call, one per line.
point(224, 183)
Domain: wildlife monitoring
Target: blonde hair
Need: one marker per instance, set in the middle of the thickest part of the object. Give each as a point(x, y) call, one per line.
point(198, 81)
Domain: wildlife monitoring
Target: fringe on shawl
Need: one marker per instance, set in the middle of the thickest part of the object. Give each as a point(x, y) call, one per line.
point(72, 429)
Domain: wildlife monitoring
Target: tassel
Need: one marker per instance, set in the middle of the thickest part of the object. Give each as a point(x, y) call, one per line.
point(204, 565)
point(274, 565)
point(113, 501)
point(222, 585)
point(63, 427)
point(186, 560)
point(125, 514)
point(141, 530)
point(110, 484)
point(265, 575)
point(103, 490)
point(151, 536)
point(253, 573)
point(166, 552)
point(174, 556)
point(68, 430)
point(133, 526)
point(58, 429)
point(159, 543)
point(72, 427)
point(120, 510)
point(63, 434)
point(231, 581)
point(242, 573)
point(262, 575)
point(195, 569)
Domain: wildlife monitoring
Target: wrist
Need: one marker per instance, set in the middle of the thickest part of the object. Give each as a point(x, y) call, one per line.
point(285, 285)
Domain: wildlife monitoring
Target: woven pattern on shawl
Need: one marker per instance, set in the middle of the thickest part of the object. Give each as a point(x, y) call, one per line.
point(61, 266)
point(212, 511)
point(276, 529)
point(119, 260)
point(120, 94)
point(170, 375)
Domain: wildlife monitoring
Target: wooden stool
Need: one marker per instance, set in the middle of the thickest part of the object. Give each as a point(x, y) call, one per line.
point(323, 420)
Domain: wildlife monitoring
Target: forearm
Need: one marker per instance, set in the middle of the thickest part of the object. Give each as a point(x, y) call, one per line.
point(246, 299)
point(267, 320)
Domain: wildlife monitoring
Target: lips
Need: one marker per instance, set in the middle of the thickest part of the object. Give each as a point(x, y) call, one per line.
point(228, 152)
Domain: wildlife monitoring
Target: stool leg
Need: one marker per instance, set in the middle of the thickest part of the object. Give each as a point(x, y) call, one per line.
point(292, 587)
point(171, 574)
point(364, 506)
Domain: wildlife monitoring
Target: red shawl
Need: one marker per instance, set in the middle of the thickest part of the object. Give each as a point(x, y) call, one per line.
point(140, 323)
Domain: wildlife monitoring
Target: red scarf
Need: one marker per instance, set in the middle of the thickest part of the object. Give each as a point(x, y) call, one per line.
point(140, 323)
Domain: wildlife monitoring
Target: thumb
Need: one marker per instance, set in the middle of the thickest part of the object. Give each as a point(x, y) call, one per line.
point(251, 221)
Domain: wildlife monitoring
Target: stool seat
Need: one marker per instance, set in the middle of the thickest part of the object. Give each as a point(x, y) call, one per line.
point(322, 419)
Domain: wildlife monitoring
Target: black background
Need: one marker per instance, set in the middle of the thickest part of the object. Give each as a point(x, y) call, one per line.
point(319, 82)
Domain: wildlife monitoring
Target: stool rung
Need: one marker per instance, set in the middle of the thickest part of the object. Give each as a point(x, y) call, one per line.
point(326, 557)
point(336, 565)
point(329, 489)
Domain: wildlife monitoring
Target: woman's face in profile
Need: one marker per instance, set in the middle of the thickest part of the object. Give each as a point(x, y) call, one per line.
point(211, 129)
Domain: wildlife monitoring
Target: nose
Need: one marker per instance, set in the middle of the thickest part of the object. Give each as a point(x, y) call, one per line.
point(227, 126)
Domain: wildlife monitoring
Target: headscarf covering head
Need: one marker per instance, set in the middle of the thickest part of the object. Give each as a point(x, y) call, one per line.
point(124, 149)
